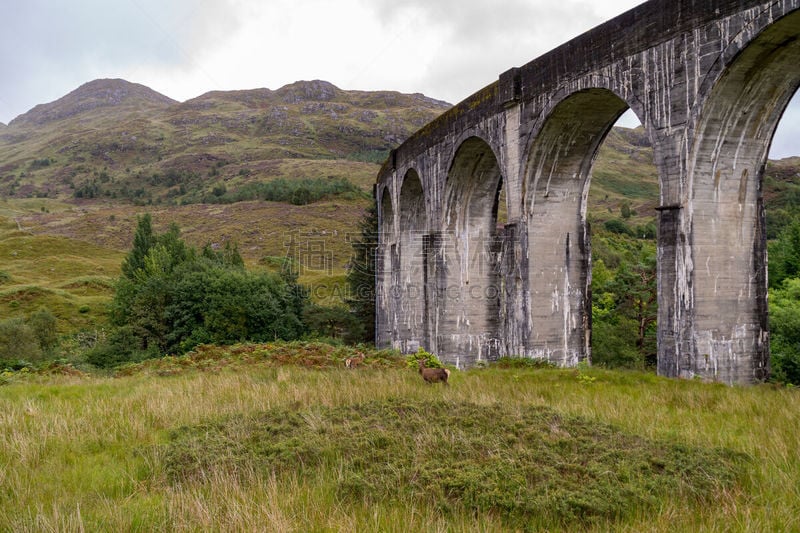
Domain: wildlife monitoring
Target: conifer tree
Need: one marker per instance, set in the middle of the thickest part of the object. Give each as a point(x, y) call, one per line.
point(361, 274)
point(143, 240)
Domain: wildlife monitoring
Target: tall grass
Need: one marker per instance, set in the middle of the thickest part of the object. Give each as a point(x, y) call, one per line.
point(90, 453)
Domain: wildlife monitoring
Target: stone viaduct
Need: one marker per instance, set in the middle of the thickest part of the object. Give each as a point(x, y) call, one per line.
point(709, 80)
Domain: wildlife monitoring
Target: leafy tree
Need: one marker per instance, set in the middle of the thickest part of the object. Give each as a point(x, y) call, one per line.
point(228, 256)
point(625, 210)
point(624, 304)
point(784, 255)
point(361, 273)
point(143, 240)
point(784, 309)
point(617, 226)
point(301, 196)
point(635, 287)
point(614, 343)
point(336, 322)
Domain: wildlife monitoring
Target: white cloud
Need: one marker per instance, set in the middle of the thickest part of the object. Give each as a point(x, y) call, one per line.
point(476, 41)
point(51, 47)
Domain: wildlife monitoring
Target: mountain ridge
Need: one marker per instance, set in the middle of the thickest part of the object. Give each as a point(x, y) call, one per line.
point(121, 140)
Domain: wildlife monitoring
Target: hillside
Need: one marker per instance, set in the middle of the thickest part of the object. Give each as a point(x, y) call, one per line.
point(75, 173)
point(122, 141)
point(137, 151)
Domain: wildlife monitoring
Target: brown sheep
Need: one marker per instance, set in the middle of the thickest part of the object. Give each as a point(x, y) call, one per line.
point(433, 375)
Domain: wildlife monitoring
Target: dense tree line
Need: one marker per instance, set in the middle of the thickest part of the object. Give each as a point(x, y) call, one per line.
point(784, 303)
point(297, 192)
point(361, 275)
point(186, 185)
point(624, 300)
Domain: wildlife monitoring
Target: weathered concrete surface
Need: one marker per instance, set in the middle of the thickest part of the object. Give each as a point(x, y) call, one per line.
point(709, 80)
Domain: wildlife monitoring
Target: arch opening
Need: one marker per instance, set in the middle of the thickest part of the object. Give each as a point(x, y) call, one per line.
point(469, 288)
point(559, 172)
point(623, 199)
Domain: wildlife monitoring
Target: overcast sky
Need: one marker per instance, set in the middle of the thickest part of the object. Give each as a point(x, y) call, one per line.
point(446, 49)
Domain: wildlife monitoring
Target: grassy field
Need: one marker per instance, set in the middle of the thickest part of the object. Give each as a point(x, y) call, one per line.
point(284, 438)
point(73, 278)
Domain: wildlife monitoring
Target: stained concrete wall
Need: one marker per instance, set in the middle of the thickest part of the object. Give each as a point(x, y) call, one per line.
point(709, 80)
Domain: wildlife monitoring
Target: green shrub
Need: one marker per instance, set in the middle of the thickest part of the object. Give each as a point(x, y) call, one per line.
point(121, 346)
point(617, 226)
point(172, 298)
point(18, 341)
point(430, 360)
point(43, 323)
point(784, 309)
point(335, 322)
point(614, 344)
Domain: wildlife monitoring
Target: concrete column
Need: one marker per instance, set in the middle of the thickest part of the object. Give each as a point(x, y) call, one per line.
point(712, 238)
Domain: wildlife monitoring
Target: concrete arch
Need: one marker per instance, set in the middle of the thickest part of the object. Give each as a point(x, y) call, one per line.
point(385, 205)
point(568, 114)
point(385, 272)
point(763, 27)
point(467, 278)
point(413, 264)
point(725, 213)
point(559, 167)
point(466, 138)
point(593, 84)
